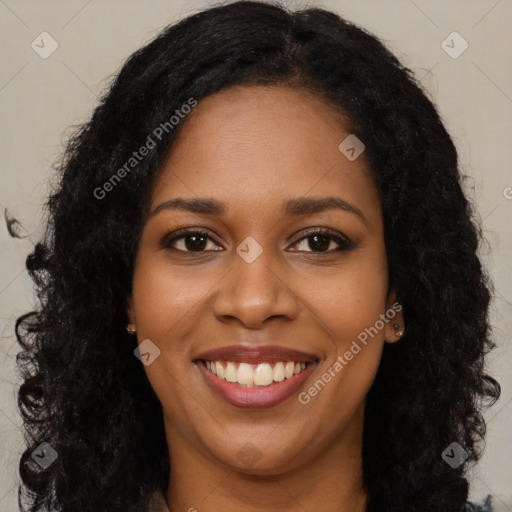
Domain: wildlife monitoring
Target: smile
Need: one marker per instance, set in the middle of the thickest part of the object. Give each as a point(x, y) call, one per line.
point(255, 386)
point(255, 375)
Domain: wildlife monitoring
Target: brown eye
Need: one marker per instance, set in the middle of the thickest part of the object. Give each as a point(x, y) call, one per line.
point(320, 241)
point(192, 241)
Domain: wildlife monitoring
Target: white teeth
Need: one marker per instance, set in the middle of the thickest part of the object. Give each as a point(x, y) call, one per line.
point(221, 373)
point(251, 375)
point(231, 372)
point(245, 374)
point(263, 375)
point(279, 372)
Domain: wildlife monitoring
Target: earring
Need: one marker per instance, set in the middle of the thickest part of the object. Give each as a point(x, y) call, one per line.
point(398, 330)
point(129, 330)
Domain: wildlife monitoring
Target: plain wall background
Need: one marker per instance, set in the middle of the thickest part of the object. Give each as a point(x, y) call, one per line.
point(41, 98)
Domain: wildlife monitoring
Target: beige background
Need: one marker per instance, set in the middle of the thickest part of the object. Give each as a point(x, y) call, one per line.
point(40, 98)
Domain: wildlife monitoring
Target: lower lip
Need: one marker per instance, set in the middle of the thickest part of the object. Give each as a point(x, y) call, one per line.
point(257, 397)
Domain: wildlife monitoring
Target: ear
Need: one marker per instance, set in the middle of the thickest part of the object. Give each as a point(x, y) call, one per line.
point(130, 312)
point(395, 315)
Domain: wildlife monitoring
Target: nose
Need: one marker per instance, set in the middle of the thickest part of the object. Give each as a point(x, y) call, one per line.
point(253, 293)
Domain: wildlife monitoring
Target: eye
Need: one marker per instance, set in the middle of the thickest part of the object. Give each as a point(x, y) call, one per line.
point(193, 241)
point(320, 240)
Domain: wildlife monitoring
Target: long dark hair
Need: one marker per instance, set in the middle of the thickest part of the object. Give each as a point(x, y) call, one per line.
point(87, 396)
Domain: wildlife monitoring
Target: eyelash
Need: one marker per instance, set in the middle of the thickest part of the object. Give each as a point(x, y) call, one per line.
point(345, 244)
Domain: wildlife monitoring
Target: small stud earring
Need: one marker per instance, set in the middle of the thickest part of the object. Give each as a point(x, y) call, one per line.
point(398, 330)
point(129, 330)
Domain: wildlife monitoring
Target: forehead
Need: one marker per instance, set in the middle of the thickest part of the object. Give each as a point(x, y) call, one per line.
point(253, 147)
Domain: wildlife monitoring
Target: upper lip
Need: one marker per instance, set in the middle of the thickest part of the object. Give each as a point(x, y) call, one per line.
point(256, 354)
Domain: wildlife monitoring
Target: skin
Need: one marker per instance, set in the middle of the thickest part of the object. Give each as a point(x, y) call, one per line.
point(252, 148)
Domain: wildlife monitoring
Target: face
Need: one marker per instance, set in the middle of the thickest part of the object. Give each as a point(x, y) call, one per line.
point(288, 292)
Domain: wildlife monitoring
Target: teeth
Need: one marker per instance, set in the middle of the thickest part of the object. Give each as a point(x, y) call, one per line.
point(212, 367)
point(231, 372)
point(279, 372)
point(263, 375)
point(245, 374)
point(250, 375)
point(288, 371)
point(221, 373)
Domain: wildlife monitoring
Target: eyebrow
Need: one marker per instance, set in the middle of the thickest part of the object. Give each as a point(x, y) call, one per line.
point(293, 207)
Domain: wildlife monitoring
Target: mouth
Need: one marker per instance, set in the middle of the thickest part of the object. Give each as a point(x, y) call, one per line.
point(255, 377)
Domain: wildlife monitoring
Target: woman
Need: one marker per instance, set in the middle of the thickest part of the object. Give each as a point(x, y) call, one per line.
point(259, 287)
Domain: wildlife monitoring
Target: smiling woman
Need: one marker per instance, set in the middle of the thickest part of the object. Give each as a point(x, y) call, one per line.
point(295, 266)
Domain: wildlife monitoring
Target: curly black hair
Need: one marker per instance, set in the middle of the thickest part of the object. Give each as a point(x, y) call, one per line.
point(86, 394)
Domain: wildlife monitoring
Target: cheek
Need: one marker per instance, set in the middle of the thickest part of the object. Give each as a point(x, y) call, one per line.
point(352, 299)
point(165, 297)
point(165, 301)
point(349, 308)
